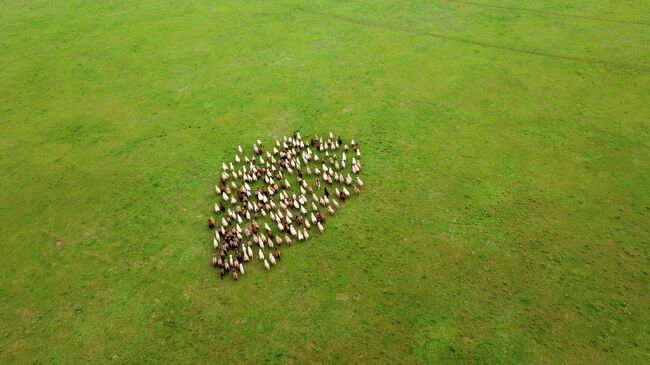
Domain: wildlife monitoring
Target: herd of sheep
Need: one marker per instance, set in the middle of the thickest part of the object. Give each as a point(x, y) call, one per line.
point(275, 195)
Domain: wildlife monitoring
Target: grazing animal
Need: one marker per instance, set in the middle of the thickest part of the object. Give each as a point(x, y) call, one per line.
point(291, 155)
point(211, 222)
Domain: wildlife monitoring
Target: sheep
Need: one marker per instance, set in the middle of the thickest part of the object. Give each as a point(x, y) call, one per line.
point(211, 222)
point(287, 239)
point(214, 261)
point(260, 254)
point(241, 269)
point(266, 265)
point(272, 259)
point(291, 156)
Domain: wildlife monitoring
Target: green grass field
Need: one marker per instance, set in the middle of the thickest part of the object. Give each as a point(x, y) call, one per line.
point(505, 216)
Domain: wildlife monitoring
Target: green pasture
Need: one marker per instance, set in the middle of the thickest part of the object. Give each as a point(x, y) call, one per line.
point(504, 219)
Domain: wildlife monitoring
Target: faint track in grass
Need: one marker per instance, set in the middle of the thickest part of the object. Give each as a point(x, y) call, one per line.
point(552, 13)
point(591, 61)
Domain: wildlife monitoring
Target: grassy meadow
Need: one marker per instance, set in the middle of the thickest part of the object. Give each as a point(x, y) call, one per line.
point(505, 216)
